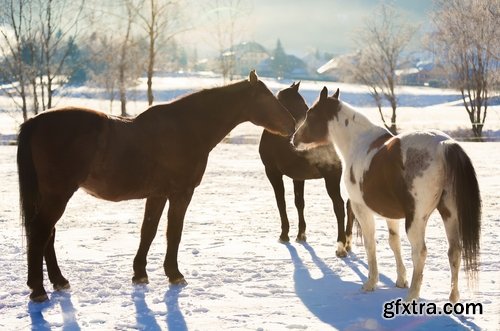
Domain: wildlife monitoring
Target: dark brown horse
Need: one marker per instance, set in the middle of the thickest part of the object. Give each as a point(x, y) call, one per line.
point(160, 154)
point(280, 158)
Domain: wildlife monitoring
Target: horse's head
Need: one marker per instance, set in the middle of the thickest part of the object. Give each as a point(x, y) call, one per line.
point(313, 131)
point(267, 111)
point(293, 101)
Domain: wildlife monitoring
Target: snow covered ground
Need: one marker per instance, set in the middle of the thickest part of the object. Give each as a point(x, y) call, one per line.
point(240, 277)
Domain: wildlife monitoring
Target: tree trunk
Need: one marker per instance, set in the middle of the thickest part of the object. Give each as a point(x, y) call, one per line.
point(394, 105)
point(151, 70)
point(36, 104)
point(42, 90)
point(122, 66)
point(123, 94)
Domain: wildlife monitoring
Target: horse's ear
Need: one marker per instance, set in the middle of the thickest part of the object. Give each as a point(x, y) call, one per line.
point(324, 93)
point(336, 95)
point(253, 77)
point(296, 86)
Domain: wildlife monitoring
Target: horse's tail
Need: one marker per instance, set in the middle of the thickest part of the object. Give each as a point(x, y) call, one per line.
point(465, 189)
point(28, 181)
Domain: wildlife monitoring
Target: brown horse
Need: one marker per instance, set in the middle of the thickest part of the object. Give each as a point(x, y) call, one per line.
point(160, 154)
point(280, 158)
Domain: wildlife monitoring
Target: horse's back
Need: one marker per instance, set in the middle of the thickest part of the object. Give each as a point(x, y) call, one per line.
point(63, 143)
point(428, 139)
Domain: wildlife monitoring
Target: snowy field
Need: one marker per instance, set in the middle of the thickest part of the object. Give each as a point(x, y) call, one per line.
point(239, 276)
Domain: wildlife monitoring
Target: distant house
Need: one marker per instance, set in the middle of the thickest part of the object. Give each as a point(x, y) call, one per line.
point(422, 73)
point(332, 69)
point(251, 55)
point(292, 68)
point(413, 72)
point(247, 56)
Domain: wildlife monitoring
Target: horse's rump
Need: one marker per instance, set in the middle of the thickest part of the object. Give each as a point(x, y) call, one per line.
point(55, 150)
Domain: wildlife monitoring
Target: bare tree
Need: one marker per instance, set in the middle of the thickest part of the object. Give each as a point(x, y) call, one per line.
point(14, 32)
point(226, 27)
point(103, 49)
point(382, 41)
point(57, 35)
point(124, 52)
point(38, 38)
point(466, 40)
point(162, 21)
point(116, 53)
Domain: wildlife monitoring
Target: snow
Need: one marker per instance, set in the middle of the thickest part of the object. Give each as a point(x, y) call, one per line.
point(239, 276)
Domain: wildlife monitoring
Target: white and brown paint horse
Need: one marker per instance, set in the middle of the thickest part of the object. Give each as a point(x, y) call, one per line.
point(404, 176)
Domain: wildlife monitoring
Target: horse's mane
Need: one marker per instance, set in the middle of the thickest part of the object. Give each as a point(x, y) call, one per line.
point(191, 100)
point(234, 87)
point(357, 116)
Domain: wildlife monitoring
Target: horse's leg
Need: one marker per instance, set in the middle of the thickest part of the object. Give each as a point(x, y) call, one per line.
point(55, 275)
point(152, 214)
point(349, 225)
point(298, 190)
point(276, 180)
point(448, 213)
point(416, 236)
point(333, 189)
point(395, 244)
point(365, 219)
point(176, 212)
point(40, 230)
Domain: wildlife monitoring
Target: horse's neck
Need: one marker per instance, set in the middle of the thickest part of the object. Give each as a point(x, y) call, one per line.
point(214, 114)
point(223, 112)
point(298, 115)
point(353, 132)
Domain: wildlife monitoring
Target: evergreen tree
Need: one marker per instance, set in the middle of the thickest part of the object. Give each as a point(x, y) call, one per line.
point(279, 64)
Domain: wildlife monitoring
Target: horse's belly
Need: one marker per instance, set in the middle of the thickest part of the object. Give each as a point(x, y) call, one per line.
point(301, 172)
point(103, 190)
point(386, 206)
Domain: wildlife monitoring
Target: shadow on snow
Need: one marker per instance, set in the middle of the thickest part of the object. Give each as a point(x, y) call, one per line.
point(332, 300)
point(343, 305)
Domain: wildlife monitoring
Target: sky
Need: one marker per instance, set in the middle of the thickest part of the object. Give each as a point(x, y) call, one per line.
point(327, 25)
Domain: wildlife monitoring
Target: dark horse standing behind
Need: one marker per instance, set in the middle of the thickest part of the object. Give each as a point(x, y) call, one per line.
point(160, 154)
point(281, 158)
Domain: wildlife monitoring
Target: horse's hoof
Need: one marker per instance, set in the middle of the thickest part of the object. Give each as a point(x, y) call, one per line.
point(368, 287)
point(341, 253)
point(178, 282)
point(284, 239)
point(402, 283)
point(142, 280)
point(40, 297)
point(301, 238)
point(348, 244)
point(454, 296)
point(62, 286)
point(411, 298)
